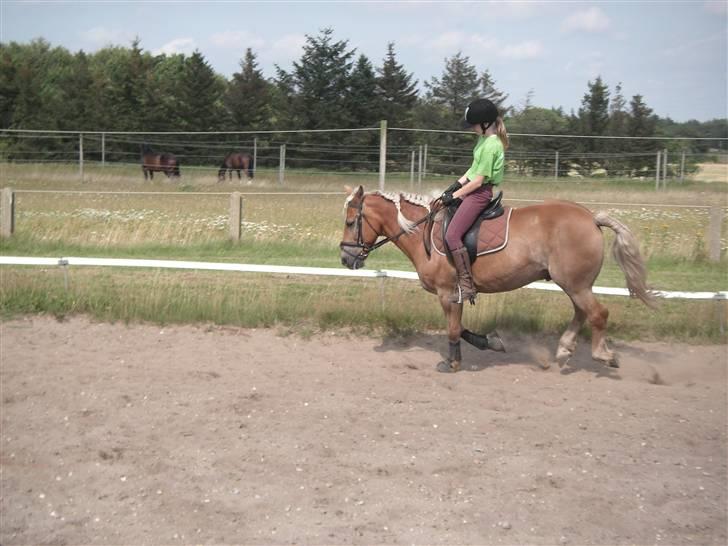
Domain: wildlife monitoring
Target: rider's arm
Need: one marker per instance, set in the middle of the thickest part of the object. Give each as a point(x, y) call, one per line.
point(470, 186)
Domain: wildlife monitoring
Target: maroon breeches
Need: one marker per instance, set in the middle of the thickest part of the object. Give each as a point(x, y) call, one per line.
point(473, 204)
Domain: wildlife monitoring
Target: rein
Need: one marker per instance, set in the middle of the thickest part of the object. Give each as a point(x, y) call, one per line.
point(365, 248)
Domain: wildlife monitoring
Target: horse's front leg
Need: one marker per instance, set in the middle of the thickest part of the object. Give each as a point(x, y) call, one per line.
point(454, 314)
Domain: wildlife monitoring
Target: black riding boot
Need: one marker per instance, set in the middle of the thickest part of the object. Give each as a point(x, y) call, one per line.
point(465, 289)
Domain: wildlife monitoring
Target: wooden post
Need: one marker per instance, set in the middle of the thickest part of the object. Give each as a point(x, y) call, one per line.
point(716, 220)
point(282, 164)
point(424, 163)
point(657, 171)
point(412, 172)
point(255, 155)
point(556, 165)
point(236, 215)
point(664, 168)
point(103, 149)
point(419, 170)
point(7, 212)
point(682, 167)
point(382, 153)
point(80, 156)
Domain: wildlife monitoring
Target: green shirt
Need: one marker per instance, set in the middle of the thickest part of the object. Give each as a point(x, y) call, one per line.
point(488, 160)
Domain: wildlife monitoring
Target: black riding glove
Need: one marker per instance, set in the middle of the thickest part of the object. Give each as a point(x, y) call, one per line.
point(448, 199)
point(455, 186)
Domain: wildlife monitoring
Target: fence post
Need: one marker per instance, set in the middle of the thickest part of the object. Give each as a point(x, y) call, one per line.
point(657, 171)
point(419, 170)
point(424, 162)
point(255, 155)
point(80, 155)
point(682, 167)
point(103, 149)
point(412, 172)
point(236, 215)
point(556, 165)
point(382, 152)
point(716, 219)
point(282, 164)
point(7, 212)
point(664, 168)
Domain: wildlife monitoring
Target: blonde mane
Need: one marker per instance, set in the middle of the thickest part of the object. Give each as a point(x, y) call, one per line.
point(415, 199)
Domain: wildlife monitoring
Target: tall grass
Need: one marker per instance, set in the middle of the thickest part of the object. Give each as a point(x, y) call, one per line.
point(390, 307)
point(305, 230)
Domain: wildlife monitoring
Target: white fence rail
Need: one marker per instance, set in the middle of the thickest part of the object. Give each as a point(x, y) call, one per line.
point(318, 271)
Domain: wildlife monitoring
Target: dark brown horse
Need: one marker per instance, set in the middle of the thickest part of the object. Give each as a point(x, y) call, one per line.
point(151, 162)
point(236, 161)
point(557, 240)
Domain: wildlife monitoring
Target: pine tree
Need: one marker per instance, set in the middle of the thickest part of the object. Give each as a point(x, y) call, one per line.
point(489, 91)
point(457, 86)
point(320, 82)
point(201, 94)
point(248, 95)
point(364, 105)
point(396, 90)
point(641, 123)
point(594, 111)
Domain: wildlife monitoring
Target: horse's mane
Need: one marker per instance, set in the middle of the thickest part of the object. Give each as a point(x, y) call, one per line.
point(414, 198)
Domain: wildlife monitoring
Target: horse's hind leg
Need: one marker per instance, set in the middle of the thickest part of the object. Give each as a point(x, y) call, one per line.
point(587, 306)
point(567, 343)
point(454, 314)
point(239, 177)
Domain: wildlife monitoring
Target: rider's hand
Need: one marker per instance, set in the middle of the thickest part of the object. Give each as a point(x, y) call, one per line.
point(447, 198)
point(455, 186)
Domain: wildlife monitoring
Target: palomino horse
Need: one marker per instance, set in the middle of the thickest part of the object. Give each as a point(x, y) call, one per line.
point(556, 240)
point(236, 161)
point(166, 163)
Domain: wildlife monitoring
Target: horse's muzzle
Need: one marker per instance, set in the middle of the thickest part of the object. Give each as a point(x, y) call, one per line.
point(352, 262)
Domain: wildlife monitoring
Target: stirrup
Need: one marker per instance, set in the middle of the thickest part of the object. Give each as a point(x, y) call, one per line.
point(459, 298)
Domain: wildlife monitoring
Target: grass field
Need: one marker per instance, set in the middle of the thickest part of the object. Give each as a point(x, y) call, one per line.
point(190, 222)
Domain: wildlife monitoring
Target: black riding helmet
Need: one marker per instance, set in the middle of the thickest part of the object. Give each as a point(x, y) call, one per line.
point(480, 112)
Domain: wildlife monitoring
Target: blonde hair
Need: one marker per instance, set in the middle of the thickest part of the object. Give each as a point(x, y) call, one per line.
point(500, 130)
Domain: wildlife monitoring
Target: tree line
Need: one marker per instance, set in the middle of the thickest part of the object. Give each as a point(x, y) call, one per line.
point(331, 86)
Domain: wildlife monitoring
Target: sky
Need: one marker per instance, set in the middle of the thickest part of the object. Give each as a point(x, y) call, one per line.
point(674, 54)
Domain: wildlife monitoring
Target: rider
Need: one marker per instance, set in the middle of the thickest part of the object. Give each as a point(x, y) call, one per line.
point(475, 188)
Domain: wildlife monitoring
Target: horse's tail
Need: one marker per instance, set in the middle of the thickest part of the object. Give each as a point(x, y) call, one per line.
point(626, 252)
point(250, 166)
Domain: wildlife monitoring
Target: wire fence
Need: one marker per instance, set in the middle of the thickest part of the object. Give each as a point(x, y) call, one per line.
point(397, 151)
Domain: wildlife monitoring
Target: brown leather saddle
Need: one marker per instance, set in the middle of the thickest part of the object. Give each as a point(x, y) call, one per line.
point(488, 234)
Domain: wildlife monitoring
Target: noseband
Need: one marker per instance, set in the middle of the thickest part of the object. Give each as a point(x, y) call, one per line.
point(365, 248)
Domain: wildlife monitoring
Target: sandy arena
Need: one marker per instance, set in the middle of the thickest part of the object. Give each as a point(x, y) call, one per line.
point(140, 434)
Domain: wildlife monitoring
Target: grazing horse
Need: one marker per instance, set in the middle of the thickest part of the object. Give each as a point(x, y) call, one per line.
point(557, 240)
point(166, 163)
point(236, 161)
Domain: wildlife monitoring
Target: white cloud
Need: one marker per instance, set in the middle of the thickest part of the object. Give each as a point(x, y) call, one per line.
point(526, 50)
point(102, 36)
point(720, 7)
point(285, 49)
point(236, 39)
point(590, 20)
point(178, 45)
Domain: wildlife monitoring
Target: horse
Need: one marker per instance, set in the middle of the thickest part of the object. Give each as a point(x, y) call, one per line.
point(166, 163)
point(236, 161)
point(556, 240)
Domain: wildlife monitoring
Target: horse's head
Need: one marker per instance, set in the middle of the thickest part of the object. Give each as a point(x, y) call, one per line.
point(360, 231)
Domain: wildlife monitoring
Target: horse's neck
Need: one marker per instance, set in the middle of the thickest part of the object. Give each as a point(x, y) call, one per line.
point(411, 244)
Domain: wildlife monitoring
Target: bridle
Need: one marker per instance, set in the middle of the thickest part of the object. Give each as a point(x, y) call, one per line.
point(365, 248)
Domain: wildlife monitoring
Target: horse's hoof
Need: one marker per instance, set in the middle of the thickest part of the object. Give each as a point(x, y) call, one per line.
point(563, 356)
point(495, 343)
point(447, 367)
point(613, 363)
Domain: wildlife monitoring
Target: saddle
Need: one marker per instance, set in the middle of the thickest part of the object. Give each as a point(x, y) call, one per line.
point(488, 234)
